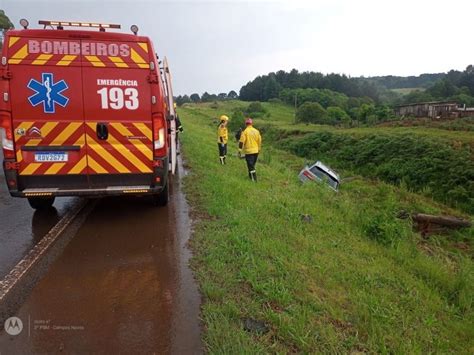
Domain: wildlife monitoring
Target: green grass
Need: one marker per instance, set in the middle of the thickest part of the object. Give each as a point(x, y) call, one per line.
point(282, 116)
point(354, 279)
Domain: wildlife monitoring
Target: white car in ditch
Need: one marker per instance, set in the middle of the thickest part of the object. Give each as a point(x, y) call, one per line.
point(321, 173)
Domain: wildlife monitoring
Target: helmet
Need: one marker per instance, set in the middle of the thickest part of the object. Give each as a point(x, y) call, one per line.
point(248, 121)
point(224, 118)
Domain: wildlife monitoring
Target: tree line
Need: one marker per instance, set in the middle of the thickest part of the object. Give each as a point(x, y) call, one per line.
point(339, 99)
point(456, 86)
point(269, 86)
point(206, 97)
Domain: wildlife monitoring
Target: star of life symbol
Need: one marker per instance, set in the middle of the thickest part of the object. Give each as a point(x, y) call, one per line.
point(48, 92)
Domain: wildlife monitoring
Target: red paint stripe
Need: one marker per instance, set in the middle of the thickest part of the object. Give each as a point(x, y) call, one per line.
point(70, 165)
point(110, 148)
point(74, 137)
point(102, 162)
point(137, 132)
point(141, 52)
point(54, 133)
point(15, 48)
point(69, 141)
point(42, 169)
point(59, 129)
point(131, 148)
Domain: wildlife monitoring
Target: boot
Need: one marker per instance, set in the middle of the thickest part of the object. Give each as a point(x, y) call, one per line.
point(222, 160)
point(253, 175)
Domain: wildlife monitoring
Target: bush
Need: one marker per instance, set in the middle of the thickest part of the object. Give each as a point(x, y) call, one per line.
point(255, 110)
point(324, 97)
point(424, 165)
point(275, 101)
point(337, 115)
point(236, 121)
point(311, 112)
point(383, 229)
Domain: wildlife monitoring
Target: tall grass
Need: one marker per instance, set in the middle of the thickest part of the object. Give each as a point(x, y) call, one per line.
point(443, 172)
point(354, 279)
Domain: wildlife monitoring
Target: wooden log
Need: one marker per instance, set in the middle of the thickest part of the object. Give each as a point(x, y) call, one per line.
point(445, 221)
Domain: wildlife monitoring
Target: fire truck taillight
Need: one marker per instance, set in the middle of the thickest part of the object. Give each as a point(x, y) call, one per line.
point(159, 136)
point(6, 136)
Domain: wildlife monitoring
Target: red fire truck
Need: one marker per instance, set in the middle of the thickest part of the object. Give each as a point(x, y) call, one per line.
point(84, 112)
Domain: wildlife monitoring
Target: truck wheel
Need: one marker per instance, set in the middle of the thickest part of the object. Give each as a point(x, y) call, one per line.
point(162, 198)
point(40, 203)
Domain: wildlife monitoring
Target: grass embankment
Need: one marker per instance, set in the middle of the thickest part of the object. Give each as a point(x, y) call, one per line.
point(438, 170)
point(355, 278)
point(434, 161)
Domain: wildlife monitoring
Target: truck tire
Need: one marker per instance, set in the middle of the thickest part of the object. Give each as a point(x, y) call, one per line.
point(41, 203)
point(162, 198)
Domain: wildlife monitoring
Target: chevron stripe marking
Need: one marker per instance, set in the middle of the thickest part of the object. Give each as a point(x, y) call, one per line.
point(55, 167)
point(96, 166)
point(66, 60)
point(42, 59)
point(95, 61)
point(142, 147)
point(118, 62)
point(144, 46)
point(30, 169)
point(144, 129)
point(106, 155)
point(119, 147)
point(19, 55)
point(66, 133)
point(12, 41)
point(138, 59)
point(81, 164)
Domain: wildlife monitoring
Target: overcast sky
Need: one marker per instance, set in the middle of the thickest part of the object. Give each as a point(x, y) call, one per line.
point(218, 46)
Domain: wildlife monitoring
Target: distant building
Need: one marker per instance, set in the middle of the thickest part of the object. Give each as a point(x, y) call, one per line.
point(434, 109)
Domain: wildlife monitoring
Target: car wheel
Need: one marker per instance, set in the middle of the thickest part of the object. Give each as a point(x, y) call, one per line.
point(162, 198)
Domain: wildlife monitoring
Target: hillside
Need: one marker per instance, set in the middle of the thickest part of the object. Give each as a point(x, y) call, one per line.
point(351, 278)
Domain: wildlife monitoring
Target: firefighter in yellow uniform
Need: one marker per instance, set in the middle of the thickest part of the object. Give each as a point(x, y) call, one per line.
point(222, 137)
point(250, 144)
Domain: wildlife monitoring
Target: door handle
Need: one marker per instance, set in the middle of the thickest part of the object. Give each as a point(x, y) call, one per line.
point(102, 131)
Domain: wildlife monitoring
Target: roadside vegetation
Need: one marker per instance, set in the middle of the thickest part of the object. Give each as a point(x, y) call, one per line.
point(421, 164)
point(325, 272)
point(336, 99)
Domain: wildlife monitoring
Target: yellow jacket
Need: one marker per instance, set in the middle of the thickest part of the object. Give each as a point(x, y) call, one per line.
point(222, 134)
point(251, 140)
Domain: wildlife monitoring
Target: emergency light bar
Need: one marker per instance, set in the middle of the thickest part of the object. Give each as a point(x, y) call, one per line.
point(60, 24)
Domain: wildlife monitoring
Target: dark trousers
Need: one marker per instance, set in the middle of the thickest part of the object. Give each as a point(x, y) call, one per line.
point(251, 160)
point(222, 149)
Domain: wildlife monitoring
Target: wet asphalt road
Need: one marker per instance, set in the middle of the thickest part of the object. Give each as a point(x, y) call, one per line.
point(122, 285)
point(21, 227)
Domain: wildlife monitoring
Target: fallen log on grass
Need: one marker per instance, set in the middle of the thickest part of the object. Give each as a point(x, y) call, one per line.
point(428, 224)
point(445, 221)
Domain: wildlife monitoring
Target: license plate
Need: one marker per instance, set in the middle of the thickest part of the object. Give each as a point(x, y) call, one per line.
point(55, 157)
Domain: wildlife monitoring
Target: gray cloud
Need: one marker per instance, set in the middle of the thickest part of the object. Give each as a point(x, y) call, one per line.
point(218, 46)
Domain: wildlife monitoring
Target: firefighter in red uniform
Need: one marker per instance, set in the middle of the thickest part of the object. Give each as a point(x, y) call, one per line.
point(250, 144)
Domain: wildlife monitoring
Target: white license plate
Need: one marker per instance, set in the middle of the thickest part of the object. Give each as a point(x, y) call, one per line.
point(55, 157)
